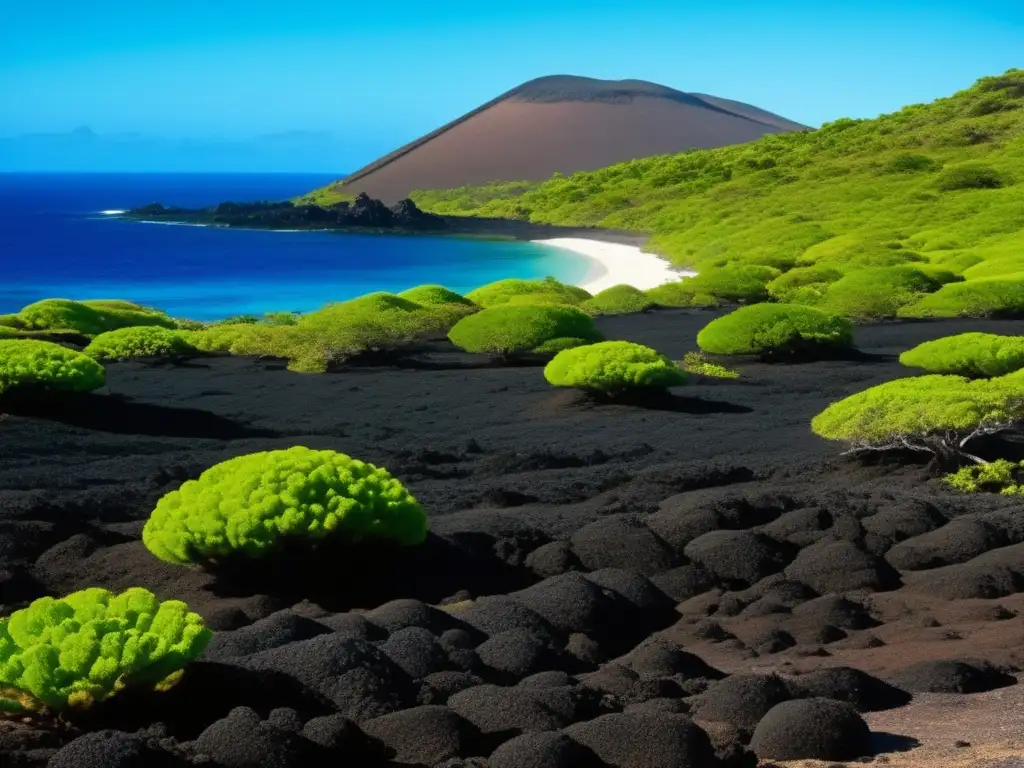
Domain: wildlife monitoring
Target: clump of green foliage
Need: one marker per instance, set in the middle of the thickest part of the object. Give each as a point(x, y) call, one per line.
point(776, 330)
point(434, 295)
point(745, 283)
point(619, 299)
point(281, 318)
point(89, 317)
point(251, 505)
point(877, 293)
point(994, 297)
point(613, 367)
point(27, 363)
point(81, 649)
point(333, 334)
point(803, 285)
point(698, 364)
point(853, 194)
point(970, 176)
point(936, 413)
point(508, 330)
point(968, 354)
point(999, 476)
point(501, 291)
point(141, 341)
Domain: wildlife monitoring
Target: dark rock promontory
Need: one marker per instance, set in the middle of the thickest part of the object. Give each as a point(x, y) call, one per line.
point(363, 213)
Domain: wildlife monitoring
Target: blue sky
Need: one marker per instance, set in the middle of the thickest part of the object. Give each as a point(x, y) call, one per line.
point(379, 74)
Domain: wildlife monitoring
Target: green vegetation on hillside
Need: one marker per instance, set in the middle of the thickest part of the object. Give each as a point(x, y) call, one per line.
point(937, 185)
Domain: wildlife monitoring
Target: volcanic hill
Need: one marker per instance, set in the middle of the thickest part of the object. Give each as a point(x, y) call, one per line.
point(559, 123)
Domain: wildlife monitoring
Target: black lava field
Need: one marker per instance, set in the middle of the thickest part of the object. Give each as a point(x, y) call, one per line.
point(625, 585)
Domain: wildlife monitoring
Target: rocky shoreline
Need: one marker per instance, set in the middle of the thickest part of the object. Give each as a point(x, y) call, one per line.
point(366, 215)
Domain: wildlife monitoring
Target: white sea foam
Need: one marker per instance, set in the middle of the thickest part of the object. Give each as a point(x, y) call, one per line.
point(112, 213)
point(614, 263)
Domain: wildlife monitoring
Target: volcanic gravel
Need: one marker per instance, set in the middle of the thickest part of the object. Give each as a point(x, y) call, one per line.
point(692, 581)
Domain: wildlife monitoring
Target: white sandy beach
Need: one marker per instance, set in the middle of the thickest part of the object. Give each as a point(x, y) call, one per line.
point(614, 263)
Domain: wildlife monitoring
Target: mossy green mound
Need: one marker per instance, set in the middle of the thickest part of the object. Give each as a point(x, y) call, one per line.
point(775, 329)
point(507, 330)
point(501, 291)
point(83, 648)
point(613, 367)
point(618, 300)
point(136, 342)
point(89, 317)
point(968, 354)
point(252, 505)
point(992, 297)
point(27, 363)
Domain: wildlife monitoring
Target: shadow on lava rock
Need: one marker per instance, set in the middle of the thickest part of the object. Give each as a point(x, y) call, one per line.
point(340, 576)
point(665, 400)
point(882, 743)
point(206, 692)
point(121, 415)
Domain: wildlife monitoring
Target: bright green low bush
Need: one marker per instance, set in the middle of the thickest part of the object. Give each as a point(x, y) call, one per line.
point(698, 364)
point(253, 504)
point(1000, 476)
point(934, 413)
point(744, 283)
point(996, 297)
point(78, 650)
point(430, 295)
point(618, 300)
point(803, 285)
point(507, 330)
point(500, 291)
point(871, 294)
point(376, 321)
point(91, 318)
point(970, 176)
point(775, 329)
point(968, 354)
point(141, 341)
point(27, 363)
point(613, 367)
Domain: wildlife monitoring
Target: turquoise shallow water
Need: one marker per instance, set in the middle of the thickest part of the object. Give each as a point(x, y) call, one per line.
point(56, 242)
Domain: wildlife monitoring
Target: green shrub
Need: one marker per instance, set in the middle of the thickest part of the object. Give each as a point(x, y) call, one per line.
point(78, 650)
point(775, 330)
point(744, 283)
point(613, 367)
point(995, 297)
point(303, 349)
point(968, 354)
point(281, 318)
point(935, 413)
point(41, 364)
point(908, 162)
point(507, 330)
point(373, 322)
point(618, 300)
point(803, 285)
point(698, 364)
point(1000, 476)
point(237, 320)
point(970, 176)
point(999, 267)
point(252, 505)
point(429, 295)
point(90, 318)
point(871, 294)
point(499, 292)
point(141, 341)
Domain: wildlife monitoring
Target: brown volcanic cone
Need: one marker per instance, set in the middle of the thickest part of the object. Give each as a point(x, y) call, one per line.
point(562, 123)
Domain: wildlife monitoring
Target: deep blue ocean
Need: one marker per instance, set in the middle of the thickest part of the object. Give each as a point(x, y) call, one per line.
point(56, 242)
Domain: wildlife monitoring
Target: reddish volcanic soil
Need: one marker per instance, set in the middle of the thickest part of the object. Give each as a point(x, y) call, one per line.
point(632, 586)
point(562, 124)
